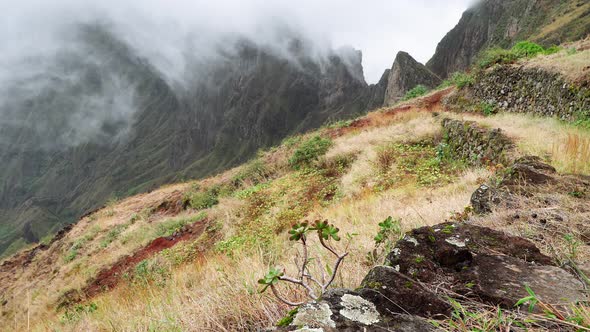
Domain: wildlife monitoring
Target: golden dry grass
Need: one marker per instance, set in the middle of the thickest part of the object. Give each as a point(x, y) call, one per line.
point(218, 292)
point(563, 145)
point(573, 67)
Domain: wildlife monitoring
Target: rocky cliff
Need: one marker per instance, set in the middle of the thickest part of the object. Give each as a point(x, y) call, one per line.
point(504, 22)
point(106, 123)
point(405, 74)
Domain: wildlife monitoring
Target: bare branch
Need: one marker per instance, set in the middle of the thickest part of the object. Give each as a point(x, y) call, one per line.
point(334, 271)
point(310, 291)
point(327, 246)
point(304, 264)
point(285, 301)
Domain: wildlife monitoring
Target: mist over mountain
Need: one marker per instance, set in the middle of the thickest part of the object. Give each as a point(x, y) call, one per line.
point(98, 119)
point(102, 100)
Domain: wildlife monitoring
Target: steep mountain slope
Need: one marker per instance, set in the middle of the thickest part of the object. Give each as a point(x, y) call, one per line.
point(405, 74)
point(108, 124)
point(188, 256)
point(504, 22)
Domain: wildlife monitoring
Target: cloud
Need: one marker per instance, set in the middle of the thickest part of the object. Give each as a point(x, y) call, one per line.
point(174, 35)
point(379, 28)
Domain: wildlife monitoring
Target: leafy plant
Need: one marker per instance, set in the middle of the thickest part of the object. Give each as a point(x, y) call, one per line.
point(309, 151)
point(417, 91)
point(487, 108)
point(572, 246)
point(459, 79)
point(532, 299)
point(315, 287)
point(389, 233)
point(203, 199)
point(494, 56)
point(527, 49)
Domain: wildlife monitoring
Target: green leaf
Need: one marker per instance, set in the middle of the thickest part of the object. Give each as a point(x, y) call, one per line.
point(271, 278)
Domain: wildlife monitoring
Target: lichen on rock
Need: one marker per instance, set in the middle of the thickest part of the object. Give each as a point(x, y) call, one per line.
point(359, 310)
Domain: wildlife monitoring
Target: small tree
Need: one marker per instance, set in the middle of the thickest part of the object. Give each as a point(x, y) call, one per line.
point(315, 287)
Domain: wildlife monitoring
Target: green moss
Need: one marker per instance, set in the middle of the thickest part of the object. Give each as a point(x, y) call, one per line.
point(374, 285)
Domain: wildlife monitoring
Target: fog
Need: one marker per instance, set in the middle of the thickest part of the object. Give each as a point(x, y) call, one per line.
point(35, 34)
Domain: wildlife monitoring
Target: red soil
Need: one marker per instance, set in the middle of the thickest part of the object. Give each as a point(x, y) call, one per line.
point(109, 278)
point(430, 103)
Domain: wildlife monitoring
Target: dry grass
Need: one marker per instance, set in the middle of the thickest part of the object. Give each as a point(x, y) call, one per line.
point(218, 292)
point(572, 66)
point(566, 147)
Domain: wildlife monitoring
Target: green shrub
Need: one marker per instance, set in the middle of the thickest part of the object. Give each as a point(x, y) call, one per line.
point(552, 50)
point(487, 109)
point(523, 49)
point(113, 234)
point(202, 199)
point(254, 172)
point(417, 91)
point(494, 56)
point(309, 151)
point(526, 49)
point(459, 79)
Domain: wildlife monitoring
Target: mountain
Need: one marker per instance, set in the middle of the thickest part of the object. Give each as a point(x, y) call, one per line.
point(103, 122)
point(405, 74)
point(504, 22)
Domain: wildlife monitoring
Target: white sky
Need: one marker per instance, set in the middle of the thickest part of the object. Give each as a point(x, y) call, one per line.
point(379, 28)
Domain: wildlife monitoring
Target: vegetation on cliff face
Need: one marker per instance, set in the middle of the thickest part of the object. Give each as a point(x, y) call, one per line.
point(188, 256)
point(247, 98)
point(390, 162)
point(500, 23)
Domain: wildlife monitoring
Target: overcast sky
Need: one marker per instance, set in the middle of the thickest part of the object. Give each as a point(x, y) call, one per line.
point(380, 28)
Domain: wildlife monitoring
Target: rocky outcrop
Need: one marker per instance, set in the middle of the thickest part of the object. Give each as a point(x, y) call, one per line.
point(428, 265)
point(476, 145)
point(406, 73)
point(530, 90)
point(524, 173)
point(502, 23)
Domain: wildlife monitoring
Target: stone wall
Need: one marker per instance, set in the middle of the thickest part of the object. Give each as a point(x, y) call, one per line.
point(478, 146)
point(528, 90)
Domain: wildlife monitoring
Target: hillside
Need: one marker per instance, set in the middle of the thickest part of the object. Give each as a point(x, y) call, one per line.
point(108, 124)
point(502, 23)
point(188, 256)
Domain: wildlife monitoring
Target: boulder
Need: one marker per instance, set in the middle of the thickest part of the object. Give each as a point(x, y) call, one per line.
point(394, 292)
point(484, 198)
point(346, 310)
point(530, 170)
point(482, 264)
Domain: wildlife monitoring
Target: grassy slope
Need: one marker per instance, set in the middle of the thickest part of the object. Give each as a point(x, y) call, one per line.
point(373, 169)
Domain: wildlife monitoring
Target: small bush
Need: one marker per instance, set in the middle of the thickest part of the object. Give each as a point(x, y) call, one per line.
point(205, 199)
point(523, 49)
point(526, 49)
point(495, 56)
point(459, 79)
point(309, 151)
point(571, 51)
point(487, 109)
point(417, 91)
point(552, 50)
point(254, 172)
